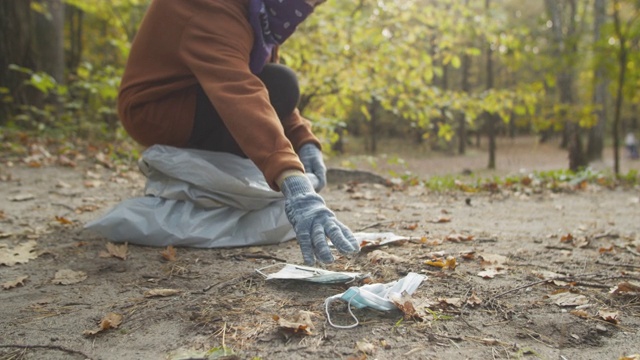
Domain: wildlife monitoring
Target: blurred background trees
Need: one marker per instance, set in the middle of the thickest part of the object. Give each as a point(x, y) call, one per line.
point(444, 75)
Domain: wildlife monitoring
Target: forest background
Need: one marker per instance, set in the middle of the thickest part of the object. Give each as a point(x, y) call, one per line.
point(443, 74)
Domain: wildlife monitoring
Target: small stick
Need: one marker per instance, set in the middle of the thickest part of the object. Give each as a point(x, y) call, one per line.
point(519, 288)
point(51, 347)
point(374, 225)
point(623, 265)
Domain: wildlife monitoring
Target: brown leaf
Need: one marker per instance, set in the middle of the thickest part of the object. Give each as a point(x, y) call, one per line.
point(15, 283)
point(20, 254)
point(68, 277)
point(160, 293)
point(405, 304)
point(609, 316)
point(580, 313)
point(441, 220)
point(110, 321)
point(474, 300)
point(63, 220)
point(300, 325)
point(117, 251)
point(410, 226)
point(566, 238)
point(169, 253)
point(568, 299)
point(625, 288)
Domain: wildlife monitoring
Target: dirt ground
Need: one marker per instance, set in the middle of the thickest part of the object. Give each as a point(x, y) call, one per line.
point(538, 273)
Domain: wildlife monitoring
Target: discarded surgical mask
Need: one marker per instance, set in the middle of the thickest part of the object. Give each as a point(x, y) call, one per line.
point(199, 199)
point(375, 296)
point(306, 273)
point(378, 239)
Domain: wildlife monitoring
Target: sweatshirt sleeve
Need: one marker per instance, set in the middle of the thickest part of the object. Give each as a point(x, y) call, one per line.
point(298, 130)
point(215, 46)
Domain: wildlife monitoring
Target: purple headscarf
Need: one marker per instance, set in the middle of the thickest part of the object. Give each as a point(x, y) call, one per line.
point(273, 21)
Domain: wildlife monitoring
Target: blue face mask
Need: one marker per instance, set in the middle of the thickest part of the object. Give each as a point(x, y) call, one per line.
point(375, 296)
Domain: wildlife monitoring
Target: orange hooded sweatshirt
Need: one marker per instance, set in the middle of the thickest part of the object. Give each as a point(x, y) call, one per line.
point(184, 43)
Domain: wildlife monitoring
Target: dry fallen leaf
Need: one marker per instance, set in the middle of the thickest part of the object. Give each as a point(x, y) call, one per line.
point(568, 299)
point(441, 220)
point(609, 316)
point(490, 273)
point(474, 300)
point(625, 288)
point(300, 325)
point(580, 313)
point(448, 264)
point(63, 220)
point(20, 254)
point(68, 277)
point(405, 304)
point(459, 237)
point(15, 283)
point(455, 302)
point(160, 293)
point(566, 238)
point(117, 251)
point(110, 321)
point(365, 347)
point(169, 253)
point(381, 257)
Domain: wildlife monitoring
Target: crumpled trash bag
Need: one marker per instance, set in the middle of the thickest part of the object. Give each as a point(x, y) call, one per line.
point(199, 199)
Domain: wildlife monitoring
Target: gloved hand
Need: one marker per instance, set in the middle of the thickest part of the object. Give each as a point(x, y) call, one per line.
point(311, 158)
point(313, 222)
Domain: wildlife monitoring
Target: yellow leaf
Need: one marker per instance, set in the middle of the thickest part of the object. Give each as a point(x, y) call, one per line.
point(169, 253)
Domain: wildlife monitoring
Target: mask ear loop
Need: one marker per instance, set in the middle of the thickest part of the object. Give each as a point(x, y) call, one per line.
point(326, 310)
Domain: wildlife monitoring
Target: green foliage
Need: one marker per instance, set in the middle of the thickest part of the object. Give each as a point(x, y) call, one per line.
point(86, 106)
point(555, 180)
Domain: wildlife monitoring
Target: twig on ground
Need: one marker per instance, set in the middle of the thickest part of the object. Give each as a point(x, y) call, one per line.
point(49, 347)
point(622, 265)
point(555, 247)
point(518, 288)
point(375, 224)
point(263, 256)
point(630, 249)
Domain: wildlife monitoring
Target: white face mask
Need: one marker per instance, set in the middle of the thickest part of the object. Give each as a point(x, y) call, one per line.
point(375, 296)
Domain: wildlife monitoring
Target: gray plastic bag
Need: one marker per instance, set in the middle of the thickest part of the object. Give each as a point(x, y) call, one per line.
point(199, 199)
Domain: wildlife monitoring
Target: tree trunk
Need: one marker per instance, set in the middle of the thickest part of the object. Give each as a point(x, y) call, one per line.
point(462, 120)
point(15, 48)
point(596, 133)
point(490, 118)
point(622, 66)
point(75, 20)
point(373, 126)
point(49, 38)
point(566, 49)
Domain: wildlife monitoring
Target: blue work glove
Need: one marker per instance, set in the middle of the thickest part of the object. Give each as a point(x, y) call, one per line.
point(313, 222)
point(311, 158)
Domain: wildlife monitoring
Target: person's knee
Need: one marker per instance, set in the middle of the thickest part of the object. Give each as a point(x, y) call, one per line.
point(282, 84)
